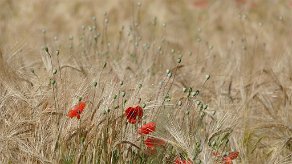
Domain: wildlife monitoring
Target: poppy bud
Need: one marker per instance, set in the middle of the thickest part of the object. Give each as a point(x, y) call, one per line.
point(104, 65)
point(121, 83)
point(206, 107)
point(115, 96)
point(95, 84)
point(46, 49)
point(184, 89)
point(179, 103)
point(197, 92)
point(55, 71)
point(143, 105)
point(190, 89)
point(193, 94)
point(53, 82)
point(208, 77)
point(123, 94)
point(79, 99)
point(140, 86)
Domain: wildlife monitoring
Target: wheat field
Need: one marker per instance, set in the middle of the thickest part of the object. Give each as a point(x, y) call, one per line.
point(150, 81)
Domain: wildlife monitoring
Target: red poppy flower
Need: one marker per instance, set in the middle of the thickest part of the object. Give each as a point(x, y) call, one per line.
point(290, 4)
point(180, 161)
point(77, 110)
point(231, 156)
point(151, 142)
point(241, 1)
point(147, 128)
point(134, 114)
point(201, 3)
point(250, 4)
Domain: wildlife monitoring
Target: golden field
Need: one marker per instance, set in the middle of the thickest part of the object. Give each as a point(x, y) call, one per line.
point(214, 76)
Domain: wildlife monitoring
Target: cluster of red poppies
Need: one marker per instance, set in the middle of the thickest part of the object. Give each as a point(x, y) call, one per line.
point(134, 115)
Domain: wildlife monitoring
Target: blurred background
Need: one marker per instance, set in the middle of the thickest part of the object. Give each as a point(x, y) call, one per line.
point(261, 26)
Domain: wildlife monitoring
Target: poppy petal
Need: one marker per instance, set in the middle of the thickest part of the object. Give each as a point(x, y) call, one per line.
point(151, 142)
point(132, 113)
point(147, 128)
point(80, 106)
point(72, 113)
point(233, 155)
point(77, 110)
